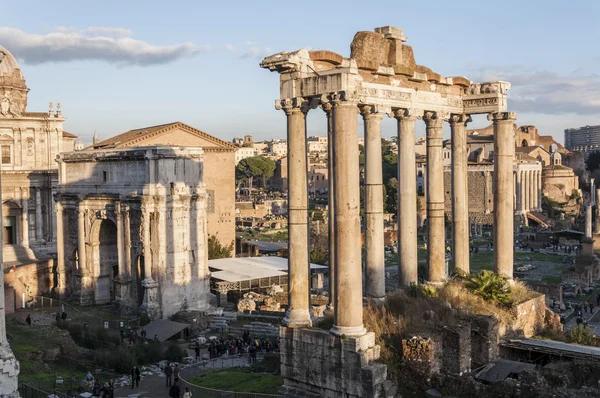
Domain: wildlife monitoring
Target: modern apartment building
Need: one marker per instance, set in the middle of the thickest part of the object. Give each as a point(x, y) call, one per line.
point(585, 139)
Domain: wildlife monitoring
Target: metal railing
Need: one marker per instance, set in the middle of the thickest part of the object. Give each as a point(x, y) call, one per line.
point(213, 365)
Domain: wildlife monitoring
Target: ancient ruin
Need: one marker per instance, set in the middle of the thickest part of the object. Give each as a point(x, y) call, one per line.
point(379, 78)
point(132, 229)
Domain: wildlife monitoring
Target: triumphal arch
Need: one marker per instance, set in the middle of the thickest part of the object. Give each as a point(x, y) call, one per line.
point(379, 78)
point(131, 229)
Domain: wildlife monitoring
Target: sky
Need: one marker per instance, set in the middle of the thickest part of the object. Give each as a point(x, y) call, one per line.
point(119, 65)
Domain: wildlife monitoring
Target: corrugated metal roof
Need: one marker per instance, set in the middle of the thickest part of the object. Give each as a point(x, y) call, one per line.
point(248, 268)
point(163, 329)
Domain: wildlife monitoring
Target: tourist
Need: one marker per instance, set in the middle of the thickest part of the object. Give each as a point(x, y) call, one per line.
point(109, 387)
point(174, 390)
point(591, 308)
point(176, 373)
point(28, 320)
point(579, 321)
point(168, 370)
point(197, 350)
point(88, 377)
point(135, 377)
point(187, 393)
point(156, 338)
point(122, 336)
point(143, 334)
point(64, 316)
point(57, 318)
point(96, 389)
point(85, 329)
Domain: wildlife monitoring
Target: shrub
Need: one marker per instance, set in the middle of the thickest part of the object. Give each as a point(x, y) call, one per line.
point(173, 352)
point(581, 335)
point(148, 353)
point(120, 360)
point(144, 320)
point(490, 287)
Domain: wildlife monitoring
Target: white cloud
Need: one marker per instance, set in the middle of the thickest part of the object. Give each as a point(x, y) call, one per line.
point(230, 47)
point(545, 92)
point(112, 45)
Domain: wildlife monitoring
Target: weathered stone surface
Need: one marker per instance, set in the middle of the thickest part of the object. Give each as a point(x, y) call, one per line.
point(246, 305)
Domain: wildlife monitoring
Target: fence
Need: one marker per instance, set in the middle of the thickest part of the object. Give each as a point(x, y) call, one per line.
point(93, 317)
point(232, 361)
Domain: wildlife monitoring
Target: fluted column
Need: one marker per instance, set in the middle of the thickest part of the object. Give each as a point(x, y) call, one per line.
point(327, 108)
point(460, 197)
point(541, 190)
point(436, 239)
point(531, 190)
point(147, 250)
point(348, 309)
point(120, 256)
point(127, 241)
point(61, 286)
point(298, 314)
point(374, 238)
point(407, 198)
point(588, 221)
point(25, 216)
point(81, 239)
point(504, 153)
point(38, 216)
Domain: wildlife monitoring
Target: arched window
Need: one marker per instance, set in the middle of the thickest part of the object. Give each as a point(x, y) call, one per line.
point(524, 143)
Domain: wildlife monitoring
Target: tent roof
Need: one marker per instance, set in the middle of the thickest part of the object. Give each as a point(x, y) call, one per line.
point(163, 329)
point(248, 268)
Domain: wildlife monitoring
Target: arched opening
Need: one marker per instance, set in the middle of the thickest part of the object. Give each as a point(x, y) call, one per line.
point(140, 277)
point(107, 262)
point(11, 223)
point(524, 143)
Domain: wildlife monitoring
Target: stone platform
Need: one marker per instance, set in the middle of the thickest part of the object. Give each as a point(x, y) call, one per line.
point(315, 363)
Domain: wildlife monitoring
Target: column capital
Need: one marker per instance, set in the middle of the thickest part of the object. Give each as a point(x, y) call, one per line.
point(327, 107)
point(434, 118)
point(459, 118)
point(58, 207)
point(406, 114)
point(502, 116)
point(373, 111)
point(339, 98)
point(296, 104)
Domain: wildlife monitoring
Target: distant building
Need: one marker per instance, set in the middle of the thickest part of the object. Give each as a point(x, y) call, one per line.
point(243, 153)
point(278, 148)
point(316, 144)
point(585, 139)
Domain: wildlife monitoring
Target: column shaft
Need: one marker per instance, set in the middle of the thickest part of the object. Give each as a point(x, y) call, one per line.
point(523, 191)
point(127, 238)
point(348, 310)
point(81, 239)
point(504, 153)
point(298, 314)
point(60, 251)
point(25, 216)
point(147, 241)
point(407, 199)
point(38, 215)
point(436, 239)
point(120, 256)
point(541, 190)
point(374, 236)
point(588, 221)
point(460, 197)
point(330, 205)
point(531, 190)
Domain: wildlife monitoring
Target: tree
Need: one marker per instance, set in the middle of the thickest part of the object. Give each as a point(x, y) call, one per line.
point(256, 166)
point(217, 250)
point(593, 161)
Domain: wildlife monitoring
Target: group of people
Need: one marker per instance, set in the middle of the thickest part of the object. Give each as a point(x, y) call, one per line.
point(220, 347)
point(106, 390)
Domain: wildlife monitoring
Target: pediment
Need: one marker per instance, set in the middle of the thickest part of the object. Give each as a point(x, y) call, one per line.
point(181, 135)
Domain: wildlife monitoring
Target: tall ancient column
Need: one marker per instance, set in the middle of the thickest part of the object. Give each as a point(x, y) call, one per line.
point(327, 107)
point(25, 216)
point(460, 197)
point(523, 189)
point(541, 190)
point(598, 212)
point(374, 237)
point(407, 198)
point(61, 288)
point(127, 241)
point(38, 216)
point(531, 190)
point(504, 154)
point(588, 221)
point(150, 305)
point(436, 237)
point(81, 239)
point(147, 249)
point(348, 309)
point(119, 238)
point(298, 314)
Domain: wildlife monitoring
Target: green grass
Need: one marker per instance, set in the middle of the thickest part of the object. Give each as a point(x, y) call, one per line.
point(279, 236)
point(240, 380)
point(552, 279)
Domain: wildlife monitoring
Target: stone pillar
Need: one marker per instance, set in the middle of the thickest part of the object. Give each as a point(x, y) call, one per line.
point(514, 191)
point(374, 237)
point(460, 195)
point(504, 154)
point(25, 217)
point(598, 212)
point(531, 190)
point(541, 190)
point(81, 239)
point(436, 242)
point(588, 221)
point(592, 192)
point(150, 305)
point(38, 216)
point(298, 314)
point(522, 191)
point(327, 107)
point(407, 198)
point(348, 309)
point(61, 286)
point(123, 280)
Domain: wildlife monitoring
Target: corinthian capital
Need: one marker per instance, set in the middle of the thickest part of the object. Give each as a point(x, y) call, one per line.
point(502, 116)
point(337, 98)
point(458, 118)
point(406, 113)
point(434, 118)
point(373, 111)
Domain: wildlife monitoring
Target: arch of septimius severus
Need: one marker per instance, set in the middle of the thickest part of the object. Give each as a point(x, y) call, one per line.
point(380, 78)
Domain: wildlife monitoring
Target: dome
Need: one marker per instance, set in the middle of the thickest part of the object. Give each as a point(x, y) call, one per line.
point(8, 64)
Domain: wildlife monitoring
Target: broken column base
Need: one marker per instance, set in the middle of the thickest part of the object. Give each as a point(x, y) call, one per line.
point(315, 363)
point(9, 372)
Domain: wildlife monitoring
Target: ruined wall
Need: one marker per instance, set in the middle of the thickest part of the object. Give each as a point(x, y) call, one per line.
point(32, 279)
point(531, 316)
point(480, 195)
point(219, 176)
point(456, 349)
point(484, 340)
point(9, 300)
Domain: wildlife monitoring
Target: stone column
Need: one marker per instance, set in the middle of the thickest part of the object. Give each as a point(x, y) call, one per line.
point(123, 279)
point(541, 189)
point(407, 198)
point(61, 286)
point(598, 212)
point(119, 237)
point(436, 239)
point(531, 190)
point(298, 314)
point(147, 250)
point(460, 196)
point(348, 309)
point(25, 217)
point(81, 239)
point(588, 221)
point(504, 154)
point(150, 305)
point(127, 241)
point(327, 107)
point(38, 216)
point(374, 237)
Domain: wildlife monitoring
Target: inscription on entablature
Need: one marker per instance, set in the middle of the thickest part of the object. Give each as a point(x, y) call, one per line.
point(384, 94)
point(480, 102)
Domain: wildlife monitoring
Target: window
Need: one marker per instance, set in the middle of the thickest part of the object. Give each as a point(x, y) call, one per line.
point(5, 154)
point(104, 176)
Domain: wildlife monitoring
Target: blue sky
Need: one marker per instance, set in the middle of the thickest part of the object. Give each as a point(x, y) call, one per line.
point(203, 68)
